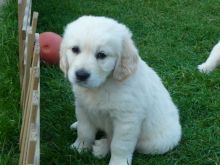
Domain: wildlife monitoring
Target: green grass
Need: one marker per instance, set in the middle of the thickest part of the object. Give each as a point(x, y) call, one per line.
point(9, 86)
point(172, 36)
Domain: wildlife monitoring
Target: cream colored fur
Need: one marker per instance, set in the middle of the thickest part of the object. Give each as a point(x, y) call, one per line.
point(213, 60)
point(123, 96)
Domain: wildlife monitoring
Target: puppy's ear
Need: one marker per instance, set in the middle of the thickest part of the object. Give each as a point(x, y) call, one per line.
point(64, 66)
point(127, 60)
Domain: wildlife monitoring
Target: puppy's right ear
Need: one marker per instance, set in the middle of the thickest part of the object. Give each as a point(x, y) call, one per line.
point(64, 66)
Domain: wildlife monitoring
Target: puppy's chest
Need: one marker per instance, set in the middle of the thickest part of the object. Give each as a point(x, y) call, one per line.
point(96, 102)
point(99, 110)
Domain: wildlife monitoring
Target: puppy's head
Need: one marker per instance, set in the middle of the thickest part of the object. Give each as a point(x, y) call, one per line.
point(94, 48)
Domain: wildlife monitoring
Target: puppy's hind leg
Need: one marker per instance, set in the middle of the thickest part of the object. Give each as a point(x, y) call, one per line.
point(213, 60)
point(159, 139)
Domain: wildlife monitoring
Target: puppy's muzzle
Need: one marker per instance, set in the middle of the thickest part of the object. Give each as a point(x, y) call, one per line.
point(82, 75)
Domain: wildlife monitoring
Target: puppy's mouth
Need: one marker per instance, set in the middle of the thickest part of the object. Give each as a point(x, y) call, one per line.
point(86, 84)
point(81, 83)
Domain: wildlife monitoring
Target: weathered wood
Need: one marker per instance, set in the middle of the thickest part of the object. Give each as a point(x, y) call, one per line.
point(30, 119)
point(26, 121)
point(27, 64)
point(34, 22)
point(26, 18)
point(28, 55)
point(29, 68)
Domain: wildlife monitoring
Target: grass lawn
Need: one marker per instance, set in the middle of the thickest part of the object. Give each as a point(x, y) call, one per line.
point(9, 86)
point(172, 36)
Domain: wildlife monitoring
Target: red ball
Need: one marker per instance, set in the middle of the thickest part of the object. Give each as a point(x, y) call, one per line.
point(50, 47)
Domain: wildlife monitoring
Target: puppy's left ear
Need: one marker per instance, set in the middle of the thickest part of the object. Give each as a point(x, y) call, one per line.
point(127, 60)
point(64, 66)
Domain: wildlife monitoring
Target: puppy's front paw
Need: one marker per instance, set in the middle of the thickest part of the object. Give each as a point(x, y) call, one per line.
point(205, 68)
point(101, 148)
point(120, 162)
point(74, 126)
point(80, 146)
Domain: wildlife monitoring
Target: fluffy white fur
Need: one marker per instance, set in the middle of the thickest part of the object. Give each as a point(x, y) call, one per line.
point(123, 96)
point(213, 60)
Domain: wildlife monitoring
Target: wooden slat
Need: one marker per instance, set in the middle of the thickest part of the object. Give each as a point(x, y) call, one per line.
point(32, 145)
point(26, 121)
point(34, 22)
point(32, 135)
point(27, 64)
point(35, 102)
point(26, 18)
point(21, 10)
point(31, 151)
point(36, 55)
point(37, 151)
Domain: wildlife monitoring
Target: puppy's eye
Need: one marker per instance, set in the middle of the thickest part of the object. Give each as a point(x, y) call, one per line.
point(76, 50)
point(100, 55)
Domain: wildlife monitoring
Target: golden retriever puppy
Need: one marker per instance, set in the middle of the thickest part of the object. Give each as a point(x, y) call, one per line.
point(116, 92)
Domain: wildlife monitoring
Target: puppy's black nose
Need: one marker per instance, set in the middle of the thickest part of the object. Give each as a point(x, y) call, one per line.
point(82, 75)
